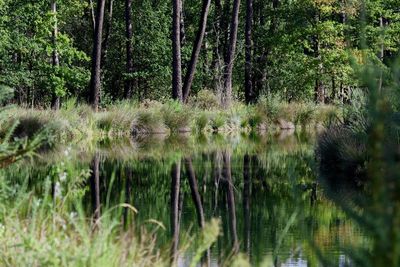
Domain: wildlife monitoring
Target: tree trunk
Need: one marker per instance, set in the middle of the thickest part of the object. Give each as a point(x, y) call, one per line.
point(129, 54)
point(249, 93)
point(95, 80)
point(56, 61)
point(196, 50)
point(217, 49)
point(230, 57)
point(176, 52)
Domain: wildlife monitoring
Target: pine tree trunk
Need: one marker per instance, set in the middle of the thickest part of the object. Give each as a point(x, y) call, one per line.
point(129, 54)
point(176, 52)
point(56, 61)
point(249, 93)
point(95, 81)
point(230, 57)
point(196, 50)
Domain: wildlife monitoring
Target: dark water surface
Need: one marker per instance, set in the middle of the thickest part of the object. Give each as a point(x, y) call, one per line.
point(262, 188)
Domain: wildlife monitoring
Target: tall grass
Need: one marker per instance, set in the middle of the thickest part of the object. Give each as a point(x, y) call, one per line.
point(78, 122)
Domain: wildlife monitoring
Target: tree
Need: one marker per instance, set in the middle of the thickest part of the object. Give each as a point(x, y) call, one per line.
point(56, 62)
point(249, 93)
point(129, 56)
point(95, 80)
point(230, 56)
point(196, 49)
point(176, 51)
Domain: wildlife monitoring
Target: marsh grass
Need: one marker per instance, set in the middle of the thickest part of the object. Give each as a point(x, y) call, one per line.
point(126, 118)
point(177, 117)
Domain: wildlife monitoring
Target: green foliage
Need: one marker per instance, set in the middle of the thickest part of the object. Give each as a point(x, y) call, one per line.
point(206, 100)
point(205, 240)
point(14, 148)
point(365, 151)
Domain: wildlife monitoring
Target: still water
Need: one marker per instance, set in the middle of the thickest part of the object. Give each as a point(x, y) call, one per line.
point(263, 189)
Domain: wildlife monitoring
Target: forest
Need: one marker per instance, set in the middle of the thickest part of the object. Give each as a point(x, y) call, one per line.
point(104, 51)
point(200, 133)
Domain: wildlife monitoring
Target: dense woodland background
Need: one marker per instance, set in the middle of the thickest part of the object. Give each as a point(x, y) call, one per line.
point(147, 49)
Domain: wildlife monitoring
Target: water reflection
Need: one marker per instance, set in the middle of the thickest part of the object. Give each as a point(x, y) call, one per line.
point(262, 188)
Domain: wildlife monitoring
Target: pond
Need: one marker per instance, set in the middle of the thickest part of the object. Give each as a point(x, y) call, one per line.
point(262, 188)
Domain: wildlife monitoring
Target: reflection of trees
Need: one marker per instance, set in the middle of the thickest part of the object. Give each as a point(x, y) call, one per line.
point(175, 208)
point(195, 191)
point(269, 188)
point(95, 186)
point(230, 198)
point(246, 203)
point(128, 192)
point(196, 197)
